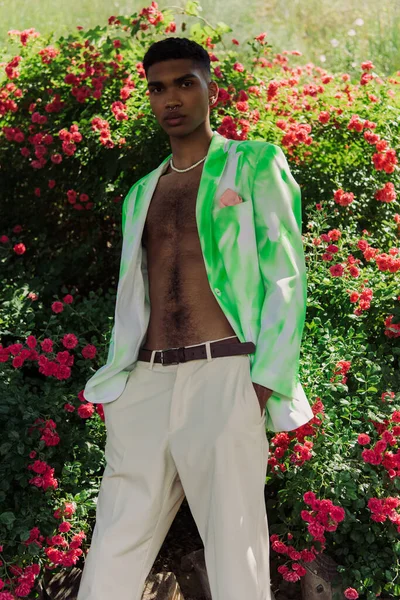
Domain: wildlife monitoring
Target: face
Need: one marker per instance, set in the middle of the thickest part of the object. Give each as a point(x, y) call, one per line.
point(178, 85)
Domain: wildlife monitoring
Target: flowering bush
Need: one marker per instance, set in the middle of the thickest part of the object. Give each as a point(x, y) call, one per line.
point(76, 132)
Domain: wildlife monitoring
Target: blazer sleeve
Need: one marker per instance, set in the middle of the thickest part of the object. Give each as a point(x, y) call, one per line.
point(277, 216)
point(111, 344)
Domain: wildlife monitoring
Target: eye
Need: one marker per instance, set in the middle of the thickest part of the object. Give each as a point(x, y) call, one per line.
point(157, 88)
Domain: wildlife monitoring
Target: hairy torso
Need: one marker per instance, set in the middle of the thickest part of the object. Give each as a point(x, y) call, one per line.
point(184, 310)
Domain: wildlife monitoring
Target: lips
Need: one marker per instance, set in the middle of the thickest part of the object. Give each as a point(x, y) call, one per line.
point(174, 117)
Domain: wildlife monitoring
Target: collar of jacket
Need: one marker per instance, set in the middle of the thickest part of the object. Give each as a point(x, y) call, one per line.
point(137, 201)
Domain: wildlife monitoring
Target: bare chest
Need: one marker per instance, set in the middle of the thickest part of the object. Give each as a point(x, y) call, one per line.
point(172, 211)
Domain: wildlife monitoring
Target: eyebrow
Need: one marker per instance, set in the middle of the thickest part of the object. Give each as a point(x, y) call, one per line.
point(177, 80)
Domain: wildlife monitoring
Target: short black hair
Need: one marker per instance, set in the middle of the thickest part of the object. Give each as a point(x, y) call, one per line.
point(175, 47)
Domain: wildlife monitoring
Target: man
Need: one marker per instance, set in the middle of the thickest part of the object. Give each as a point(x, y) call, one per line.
point(205, 345)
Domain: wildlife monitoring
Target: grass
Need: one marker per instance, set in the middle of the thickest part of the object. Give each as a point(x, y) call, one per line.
point(336, 34)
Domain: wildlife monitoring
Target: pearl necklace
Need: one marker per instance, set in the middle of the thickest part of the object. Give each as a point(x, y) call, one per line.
point(188, 169)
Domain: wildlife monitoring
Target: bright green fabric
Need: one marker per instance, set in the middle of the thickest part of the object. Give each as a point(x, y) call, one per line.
point(254, 259)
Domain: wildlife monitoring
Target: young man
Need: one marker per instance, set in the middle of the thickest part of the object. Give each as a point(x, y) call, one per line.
point(205, 346)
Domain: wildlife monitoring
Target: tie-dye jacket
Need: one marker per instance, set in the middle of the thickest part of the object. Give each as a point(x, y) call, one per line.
point(254, 258)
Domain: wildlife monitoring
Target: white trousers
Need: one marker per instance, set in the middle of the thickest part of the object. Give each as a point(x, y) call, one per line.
point(191, 429)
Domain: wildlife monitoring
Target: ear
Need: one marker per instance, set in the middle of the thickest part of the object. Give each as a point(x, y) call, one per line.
point(213, 90)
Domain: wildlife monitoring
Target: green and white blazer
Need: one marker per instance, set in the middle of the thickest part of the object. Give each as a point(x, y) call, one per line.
point(254, 259)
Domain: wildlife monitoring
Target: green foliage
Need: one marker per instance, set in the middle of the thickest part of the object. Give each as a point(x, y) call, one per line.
point(61, 241)
point(337, 35)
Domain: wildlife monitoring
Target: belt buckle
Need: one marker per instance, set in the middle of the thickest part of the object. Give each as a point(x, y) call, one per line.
point(181, 356)
point(162, 357)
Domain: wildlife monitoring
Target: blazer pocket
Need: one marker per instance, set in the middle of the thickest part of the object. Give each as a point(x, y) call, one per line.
point(235, 241)
point(235, 211)
point(234, 226)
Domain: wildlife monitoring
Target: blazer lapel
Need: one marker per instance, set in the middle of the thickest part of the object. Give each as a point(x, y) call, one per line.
point(138, 205)
point(212, 172)
point(132, 312)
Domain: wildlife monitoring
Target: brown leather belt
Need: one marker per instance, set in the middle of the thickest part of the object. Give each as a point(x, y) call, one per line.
point(173, 356)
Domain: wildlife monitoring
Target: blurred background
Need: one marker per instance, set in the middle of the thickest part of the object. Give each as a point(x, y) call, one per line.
point(335, 34)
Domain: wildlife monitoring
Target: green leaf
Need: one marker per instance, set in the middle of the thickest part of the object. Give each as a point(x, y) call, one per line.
point(396, 591)
point(192, 8)
point(24, 535)
point(370, 537)
point(4, 448)
point(357, 536)
point(7, 518)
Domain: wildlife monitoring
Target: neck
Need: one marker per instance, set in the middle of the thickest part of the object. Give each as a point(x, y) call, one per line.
point(189, 149)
